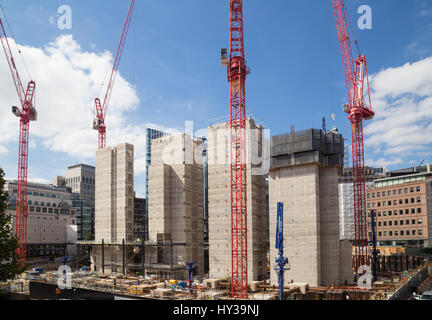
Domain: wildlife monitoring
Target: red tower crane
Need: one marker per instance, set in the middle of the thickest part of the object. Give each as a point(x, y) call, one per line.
point(101, 109)
point(237, 72)
point(26, 114)
point(358, 108)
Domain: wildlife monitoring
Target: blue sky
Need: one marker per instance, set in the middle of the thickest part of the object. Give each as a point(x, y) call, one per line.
point(171, 65)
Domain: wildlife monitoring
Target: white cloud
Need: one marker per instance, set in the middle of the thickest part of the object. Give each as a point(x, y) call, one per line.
point(67, 81)
point(402, 100)
point(3, 150)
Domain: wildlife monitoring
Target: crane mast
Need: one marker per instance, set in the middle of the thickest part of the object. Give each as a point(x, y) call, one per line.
point(237, 72)
point(101, 109)
point(358, 109)
point(26, 114)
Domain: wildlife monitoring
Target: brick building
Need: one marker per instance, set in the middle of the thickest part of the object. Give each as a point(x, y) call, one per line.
point(403, 209)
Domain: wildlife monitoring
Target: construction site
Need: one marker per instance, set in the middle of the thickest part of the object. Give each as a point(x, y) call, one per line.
point(233, 215)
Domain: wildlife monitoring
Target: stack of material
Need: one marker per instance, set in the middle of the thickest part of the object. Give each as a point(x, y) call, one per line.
point(161, 292)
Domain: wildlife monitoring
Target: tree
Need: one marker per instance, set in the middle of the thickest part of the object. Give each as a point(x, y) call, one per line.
point(9, 265)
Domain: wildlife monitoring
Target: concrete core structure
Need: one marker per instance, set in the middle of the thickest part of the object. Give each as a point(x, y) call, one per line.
point(114, 204)
point(304, 176)
point(219, 199)
point(175, 200)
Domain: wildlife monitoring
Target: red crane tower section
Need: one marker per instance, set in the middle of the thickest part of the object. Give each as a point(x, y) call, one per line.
point(101, 109)
point(26, 114)
point(358, 108)
point(237, 72)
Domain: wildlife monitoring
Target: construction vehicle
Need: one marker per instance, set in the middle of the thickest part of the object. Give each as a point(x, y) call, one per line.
point(26, 114)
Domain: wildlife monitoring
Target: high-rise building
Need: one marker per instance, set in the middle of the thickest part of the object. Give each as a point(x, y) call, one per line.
point(80, 179)
point(114, 204)
point(139, 218)
point(84, 217)
point(175, 204)
point(219, 201)
point(304, 176)
point(151, 134)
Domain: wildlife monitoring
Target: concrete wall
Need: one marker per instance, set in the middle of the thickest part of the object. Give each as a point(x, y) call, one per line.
point(304, 176)
point(219, 206)
point(175, 203)
point(114, 194)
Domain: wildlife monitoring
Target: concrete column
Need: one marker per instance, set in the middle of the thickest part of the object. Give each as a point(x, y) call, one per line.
point(103, 257)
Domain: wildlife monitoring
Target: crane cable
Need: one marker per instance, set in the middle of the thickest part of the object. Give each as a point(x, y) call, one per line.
point(18, 49)
point(352, 31)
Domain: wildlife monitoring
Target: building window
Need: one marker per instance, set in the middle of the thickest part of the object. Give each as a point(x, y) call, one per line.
point(413, 221)
point(379, 213)
point(32, 209)
point(394, 192)
point(418, 188)
point(389, 203)
point(412, 210)
point(385, 233)
point(389, 213)
point(401, 222)
point(373, 195)
point(368, 195)
point(412, 200)
point(390, 233)
point(395, 222)
point(385, 223)
point(407, 232)
point(406, 211)
point(405, 191)
point(380, 234)
point(406, 201)
point(418, 210)
point(419, 221)
point(38, 209)
point(390, 223)
point(400, 191)
point(407, 222)
point(395, 212)
point(394, 202)
point(396, 233)
point(400, 201)
point(413, 232)
point(44, 210)
point(401, 212)
point(402, 232)
point(420, 232)
point(383, 203)
point(384, 213)
point(418, 199)
point(378, 194)
point(379, 223)
point(412, 189)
